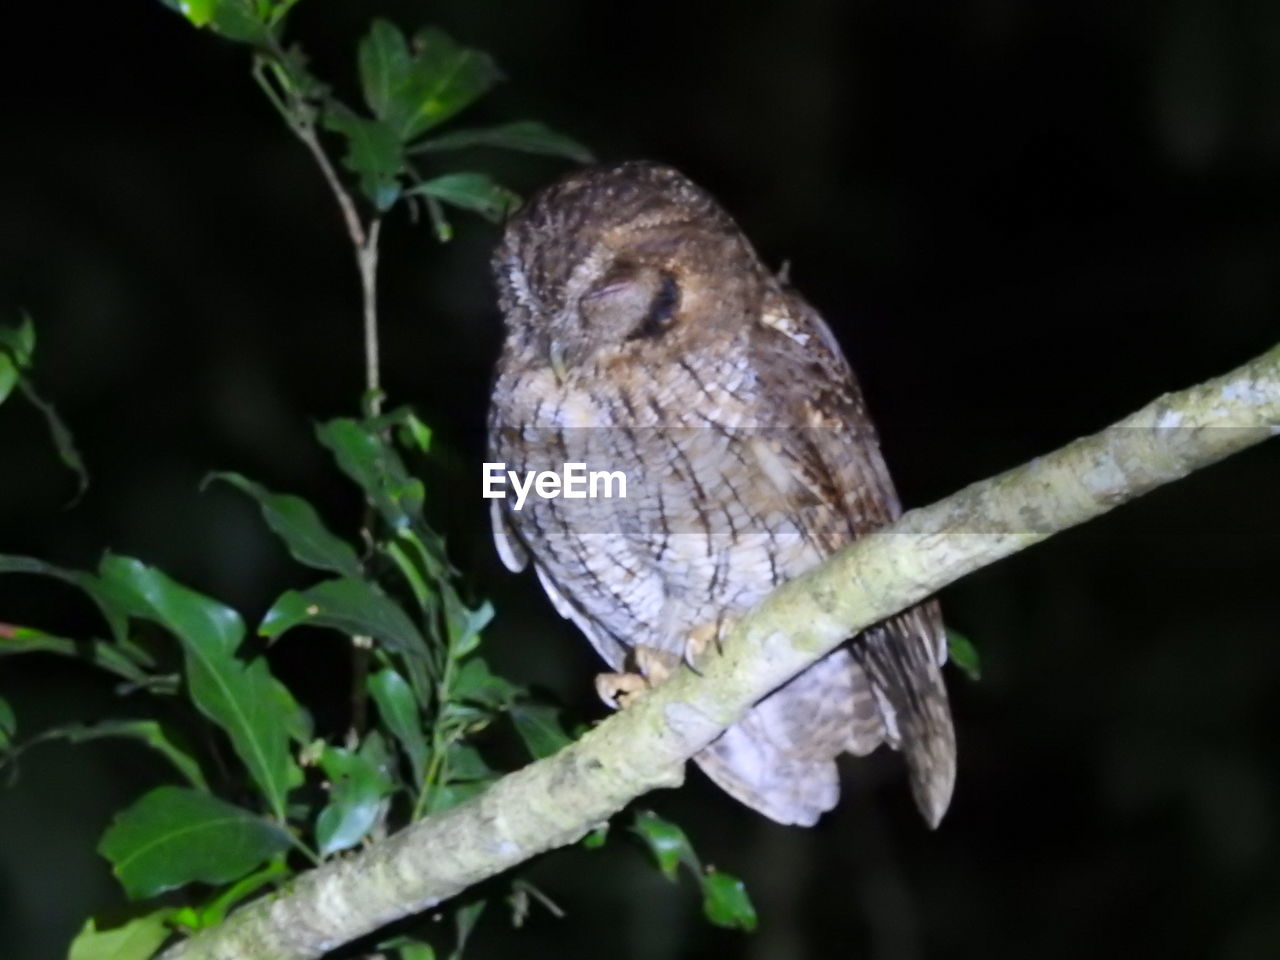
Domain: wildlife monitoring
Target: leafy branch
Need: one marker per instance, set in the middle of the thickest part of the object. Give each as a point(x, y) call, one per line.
point(410, 87)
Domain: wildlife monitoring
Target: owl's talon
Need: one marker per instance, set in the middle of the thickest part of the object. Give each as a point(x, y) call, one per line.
point(654, 663)
point(620, 690)
point(698, 642)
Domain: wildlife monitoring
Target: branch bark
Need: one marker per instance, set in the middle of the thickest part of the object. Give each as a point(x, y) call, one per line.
point(557, 800)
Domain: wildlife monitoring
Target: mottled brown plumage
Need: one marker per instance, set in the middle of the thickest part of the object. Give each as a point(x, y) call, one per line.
point(644, 335)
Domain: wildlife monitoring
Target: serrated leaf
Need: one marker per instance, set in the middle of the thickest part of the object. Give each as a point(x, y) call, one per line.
point(356, 790)
point(149, 732)
point(667, 842)
point(116, 605)
point(137, 939)
point(477, 192)
point(358, 608)
point(444, 78)
point(374, 153)
point(964, 654)
point(384, 65)
point(257, 711)
point(174, 836)
point(298, 524)
point(400, 712)
point(526, 136)
point(725, 901)
point(539, 727)
point(379, 471)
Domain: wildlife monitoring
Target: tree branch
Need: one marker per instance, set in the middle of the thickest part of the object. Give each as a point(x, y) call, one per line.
point(557, 800)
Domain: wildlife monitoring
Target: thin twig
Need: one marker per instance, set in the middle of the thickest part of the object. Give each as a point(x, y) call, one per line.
point(367, 258)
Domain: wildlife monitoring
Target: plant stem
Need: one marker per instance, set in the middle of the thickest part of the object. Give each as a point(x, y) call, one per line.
point(367, 259)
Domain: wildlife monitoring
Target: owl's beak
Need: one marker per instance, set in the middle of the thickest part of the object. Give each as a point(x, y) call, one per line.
point(555, 354)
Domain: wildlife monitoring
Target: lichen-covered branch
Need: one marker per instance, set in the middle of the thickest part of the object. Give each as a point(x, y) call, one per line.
point(555, 801)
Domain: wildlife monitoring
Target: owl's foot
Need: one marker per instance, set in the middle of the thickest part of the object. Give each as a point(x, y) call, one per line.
point(653, 666)
point(702, 639)
point(620, 690)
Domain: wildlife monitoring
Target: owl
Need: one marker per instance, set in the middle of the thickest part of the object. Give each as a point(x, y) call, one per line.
point(646, 342)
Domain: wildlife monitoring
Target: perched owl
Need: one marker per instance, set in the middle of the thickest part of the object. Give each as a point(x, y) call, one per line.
point(644, 338)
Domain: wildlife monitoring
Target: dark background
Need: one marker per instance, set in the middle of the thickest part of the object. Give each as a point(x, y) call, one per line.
point(1023, 220)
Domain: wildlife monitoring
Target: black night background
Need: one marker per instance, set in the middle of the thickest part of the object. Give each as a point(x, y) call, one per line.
point(1023, 220)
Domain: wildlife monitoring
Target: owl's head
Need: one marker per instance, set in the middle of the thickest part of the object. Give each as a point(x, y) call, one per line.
point(621, 259)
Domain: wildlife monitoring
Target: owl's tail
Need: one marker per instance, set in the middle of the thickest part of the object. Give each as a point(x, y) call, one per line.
point(902, 660)
point(886, 687)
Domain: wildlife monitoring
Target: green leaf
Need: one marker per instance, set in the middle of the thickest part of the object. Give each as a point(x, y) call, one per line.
point(253, 707)
point(964, 654)
point(464, 922)
point(476, 683)
point(150, 732)
point(412, 433)
point(358, 608)
point(449, 795)
point(667, 842)
point(296, 522)
point(215, 911)
point(198, 12)
point(597, 837)
point(465, 624)
point(399, 711)
point(16, 639)
point(539, 727)
point(234, 19)
point(379, 471)
point(116, 604)
point(173, 836)
point(384, 65)
point(725, 901)
point(8, 725)
point(137, 939)
point(374, 153)
point(444, 78)
point(19, 343)
point(8, 377)
point(466, 765)
point(356, 792)
point(526, 136)
point(477, 192)
point(409, 948)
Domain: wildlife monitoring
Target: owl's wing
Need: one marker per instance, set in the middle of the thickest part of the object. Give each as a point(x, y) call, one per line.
point(515, 557)
point(842, 491)
point(514, 554)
